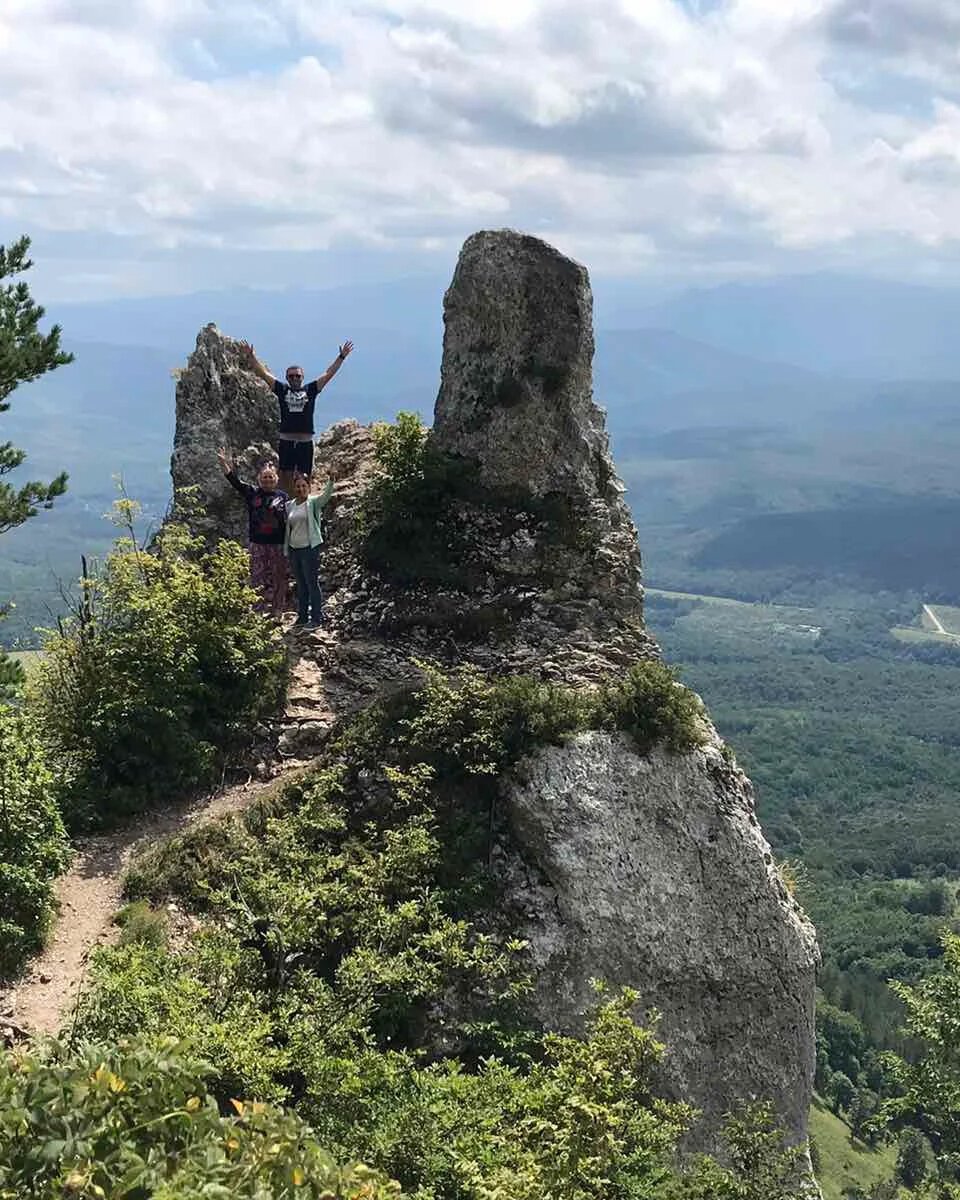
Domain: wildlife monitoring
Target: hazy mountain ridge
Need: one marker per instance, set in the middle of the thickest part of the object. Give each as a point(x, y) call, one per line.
point(858, 327)
point(707, 434)
point(765, 352)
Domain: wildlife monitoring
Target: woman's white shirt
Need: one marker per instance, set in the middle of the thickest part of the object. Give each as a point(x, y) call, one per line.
point(299, 525)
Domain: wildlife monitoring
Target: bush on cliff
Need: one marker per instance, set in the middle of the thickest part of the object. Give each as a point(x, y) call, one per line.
point(163, 670)
point(758, 1164)
point(133, 1120)
point(409, 532)
point(654, 708)
point(33, 843)
point(420, 518)
point(350, 962)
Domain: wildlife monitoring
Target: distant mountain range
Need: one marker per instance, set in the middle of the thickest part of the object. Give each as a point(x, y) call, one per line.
point(112, 409)
point(765, 352)
point(864, 329)
point(858, 328)
point(770, 394)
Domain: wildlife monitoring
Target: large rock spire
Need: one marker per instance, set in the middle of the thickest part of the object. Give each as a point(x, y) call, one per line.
point(647, 869)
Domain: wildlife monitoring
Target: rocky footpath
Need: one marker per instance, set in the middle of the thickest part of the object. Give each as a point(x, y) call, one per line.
point(648, 870)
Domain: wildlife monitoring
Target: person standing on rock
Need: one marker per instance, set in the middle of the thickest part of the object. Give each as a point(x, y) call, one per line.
point(297, 401)
point(302, 543)
point(266, 517)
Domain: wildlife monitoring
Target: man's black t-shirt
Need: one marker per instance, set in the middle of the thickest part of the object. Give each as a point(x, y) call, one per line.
point(296, 407)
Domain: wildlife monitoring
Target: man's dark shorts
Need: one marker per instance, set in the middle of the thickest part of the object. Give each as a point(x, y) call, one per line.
point(296, 456)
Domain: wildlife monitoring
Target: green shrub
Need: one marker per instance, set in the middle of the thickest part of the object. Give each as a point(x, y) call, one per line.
point(350, 964)
point(650, 705)
point(33, 843)
point(165, 670)
point(758, 1165)
point(418, 520)
point(580, 1121)
point(137, 1121)
point(184, 864)
point(209, 996)
point(926, 1088)
point(12, 675)
point(409, 533)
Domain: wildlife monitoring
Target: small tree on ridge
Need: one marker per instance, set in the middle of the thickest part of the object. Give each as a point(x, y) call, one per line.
point(25, 354)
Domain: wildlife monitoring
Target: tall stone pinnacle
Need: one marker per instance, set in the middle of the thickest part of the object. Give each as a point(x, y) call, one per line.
point(516, 390)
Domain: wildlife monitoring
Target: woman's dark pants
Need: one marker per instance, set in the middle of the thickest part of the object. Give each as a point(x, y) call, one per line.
point(306, 563)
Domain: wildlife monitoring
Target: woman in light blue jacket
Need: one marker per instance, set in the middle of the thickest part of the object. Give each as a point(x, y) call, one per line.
point(304, 537)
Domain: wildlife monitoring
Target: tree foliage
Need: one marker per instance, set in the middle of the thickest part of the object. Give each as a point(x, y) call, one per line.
point(928, 1084)
point(758, 1165)
point(25, 354)
point(913, 1155)
point(33, 843)
point(163, 670)
point(135, 1120)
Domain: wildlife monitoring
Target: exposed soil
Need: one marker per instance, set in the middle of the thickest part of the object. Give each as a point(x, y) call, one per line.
point(89, 895)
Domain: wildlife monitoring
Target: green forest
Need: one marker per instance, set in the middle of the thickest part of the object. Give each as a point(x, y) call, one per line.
point(851, 740)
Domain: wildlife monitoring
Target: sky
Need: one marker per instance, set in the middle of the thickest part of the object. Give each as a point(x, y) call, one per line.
point(157, 146)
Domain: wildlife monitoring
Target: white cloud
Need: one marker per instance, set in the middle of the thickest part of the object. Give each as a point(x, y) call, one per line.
point(641, 134)
point(898, 27)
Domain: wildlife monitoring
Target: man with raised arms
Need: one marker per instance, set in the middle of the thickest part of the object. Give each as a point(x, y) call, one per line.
point(297, 401)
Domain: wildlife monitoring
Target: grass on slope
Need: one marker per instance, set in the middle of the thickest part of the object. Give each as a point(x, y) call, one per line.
point(728, 600)
point(722, 621)
point(846, 1162)
point(913, 636)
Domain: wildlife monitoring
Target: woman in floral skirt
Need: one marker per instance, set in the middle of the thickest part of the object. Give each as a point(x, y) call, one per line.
point(266, 517)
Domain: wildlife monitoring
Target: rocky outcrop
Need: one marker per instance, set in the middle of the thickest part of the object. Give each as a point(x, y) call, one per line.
point(516, 390)
point(219, 404)
point(643, 869)
point(545, 574)
point(652, 871)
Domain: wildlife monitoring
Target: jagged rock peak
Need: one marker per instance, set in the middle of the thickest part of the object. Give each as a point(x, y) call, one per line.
point(516, 390)
point(516, 401)
point(220, 404)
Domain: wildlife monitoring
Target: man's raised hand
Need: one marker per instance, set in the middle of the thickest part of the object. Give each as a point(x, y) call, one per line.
point(226, 460)
point(346, 348)
point(247, 355)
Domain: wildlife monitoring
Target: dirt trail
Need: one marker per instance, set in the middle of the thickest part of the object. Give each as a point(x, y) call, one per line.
point(938, 626)
point(89, 896)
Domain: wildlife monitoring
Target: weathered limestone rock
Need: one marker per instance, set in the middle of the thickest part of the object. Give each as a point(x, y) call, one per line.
point(516, 381)
point(647, 870)
point(516, 397)
point(220, 404)
point(652, 871)
point(547, 550)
